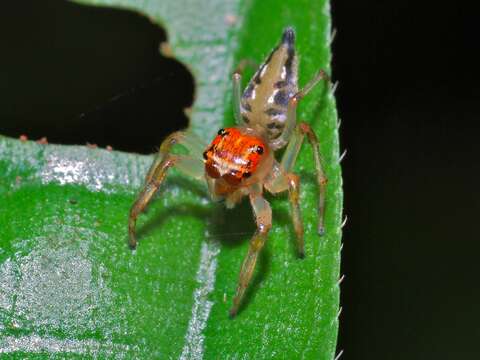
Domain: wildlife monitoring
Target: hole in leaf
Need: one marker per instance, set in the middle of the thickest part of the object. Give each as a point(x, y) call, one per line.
point(79, 74)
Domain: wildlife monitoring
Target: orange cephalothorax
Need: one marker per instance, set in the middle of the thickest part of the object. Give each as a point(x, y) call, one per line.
point(233, 155)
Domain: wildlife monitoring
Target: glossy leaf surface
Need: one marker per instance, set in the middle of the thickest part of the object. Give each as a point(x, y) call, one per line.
point(69, 285)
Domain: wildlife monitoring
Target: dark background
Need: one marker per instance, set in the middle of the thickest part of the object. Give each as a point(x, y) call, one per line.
point(408, 98)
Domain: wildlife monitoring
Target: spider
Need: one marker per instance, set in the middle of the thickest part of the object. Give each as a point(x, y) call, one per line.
point(240, 160)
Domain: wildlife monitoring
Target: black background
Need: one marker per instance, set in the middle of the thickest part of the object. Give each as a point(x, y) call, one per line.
point(408, 98)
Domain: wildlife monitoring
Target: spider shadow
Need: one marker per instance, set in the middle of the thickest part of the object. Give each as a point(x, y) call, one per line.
point(230, 227)
point(174, 211)
point(177, 210)
point(320, 104)
point(235, 226)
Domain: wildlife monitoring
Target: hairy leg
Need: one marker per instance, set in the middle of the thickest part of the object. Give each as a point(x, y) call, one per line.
point(290, 156)
point(237, 98)
point(192, 166)
point(194, 144)
point(237, 89)
point(263, 218)
point(280, 181)
point(293, 197)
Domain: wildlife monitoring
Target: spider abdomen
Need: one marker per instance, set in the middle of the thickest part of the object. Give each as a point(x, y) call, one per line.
point(234, 156)
point(265, 100)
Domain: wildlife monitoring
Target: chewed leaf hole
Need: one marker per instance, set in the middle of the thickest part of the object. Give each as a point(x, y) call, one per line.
point(91, 75)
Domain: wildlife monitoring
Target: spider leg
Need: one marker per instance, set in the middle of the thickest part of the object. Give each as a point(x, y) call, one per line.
point(263, 218)
point(291, 122)
point(192, 166)
point(290, 156)
point(280, 181)
point(194, 144)
point(293, 197)
point(243, 64)
point(237, 89)
point(237, 98)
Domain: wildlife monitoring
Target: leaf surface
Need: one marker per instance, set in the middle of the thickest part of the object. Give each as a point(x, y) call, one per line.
point(69, 285)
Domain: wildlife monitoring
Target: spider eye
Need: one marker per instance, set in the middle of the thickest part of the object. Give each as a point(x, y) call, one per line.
point(259, 150)
point(222, 132)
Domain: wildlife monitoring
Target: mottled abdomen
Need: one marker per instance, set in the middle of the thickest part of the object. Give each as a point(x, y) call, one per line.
point(234, 156)
point(265, 99)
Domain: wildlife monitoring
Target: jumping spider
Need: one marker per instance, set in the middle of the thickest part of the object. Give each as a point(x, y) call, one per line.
point(240, 160)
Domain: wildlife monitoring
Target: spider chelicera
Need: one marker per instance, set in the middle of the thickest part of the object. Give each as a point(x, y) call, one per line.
point(240, 160)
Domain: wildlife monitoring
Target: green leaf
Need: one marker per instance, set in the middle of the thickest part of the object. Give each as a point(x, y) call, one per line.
point(69, 285)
